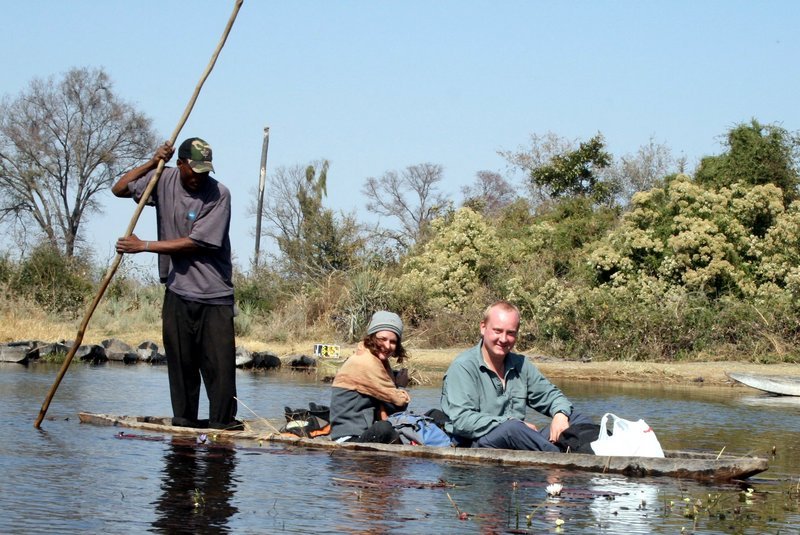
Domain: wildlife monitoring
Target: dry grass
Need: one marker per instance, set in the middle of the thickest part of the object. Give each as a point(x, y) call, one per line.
point(21, 320)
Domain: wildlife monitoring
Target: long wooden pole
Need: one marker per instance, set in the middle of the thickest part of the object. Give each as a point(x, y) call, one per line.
point(132, 225)
point(261, 181)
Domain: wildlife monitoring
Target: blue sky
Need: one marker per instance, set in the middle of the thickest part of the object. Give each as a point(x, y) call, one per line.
point(378, 86)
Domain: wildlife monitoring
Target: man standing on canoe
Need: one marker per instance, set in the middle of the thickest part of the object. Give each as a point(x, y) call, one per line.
point(193, 213)
point(487, 390)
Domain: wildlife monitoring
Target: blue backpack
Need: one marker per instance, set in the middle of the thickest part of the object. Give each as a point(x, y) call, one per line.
point(418, 429)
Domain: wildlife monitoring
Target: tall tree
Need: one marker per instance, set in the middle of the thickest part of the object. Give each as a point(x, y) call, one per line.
point(61, 143)
point(489, 194)
point(557, 167)
point(313, 240)
point(411, 197)
point(756, 154)
point(644, 170)
point(576, 173)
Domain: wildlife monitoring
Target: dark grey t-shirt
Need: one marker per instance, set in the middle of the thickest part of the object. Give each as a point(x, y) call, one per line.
point(205, 217)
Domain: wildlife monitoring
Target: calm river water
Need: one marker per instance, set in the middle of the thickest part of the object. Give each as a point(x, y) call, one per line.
point(74, 478)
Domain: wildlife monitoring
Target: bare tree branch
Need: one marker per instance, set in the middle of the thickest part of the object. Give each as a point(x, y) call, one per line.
point(61, 143)
point(489, 194)
point(644, 170)
point(411, 198)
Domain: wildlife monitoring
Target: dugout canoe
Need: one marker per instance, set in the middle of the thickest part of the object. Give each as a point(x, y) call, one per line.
point(781, 385)
point(683, 464)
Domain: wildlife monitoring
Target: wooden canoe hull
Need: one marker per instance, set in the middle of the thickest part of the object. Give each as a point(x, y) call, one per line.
point(682, 464)
point(774, 384)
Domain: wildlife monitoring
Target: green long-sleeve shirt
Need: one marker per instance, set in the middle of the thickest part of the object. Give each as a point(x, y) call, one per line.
point(474, 399)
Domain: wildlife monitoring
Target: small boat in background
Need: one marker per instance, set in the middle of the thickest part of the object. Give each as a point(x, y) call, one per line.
point(774, 384)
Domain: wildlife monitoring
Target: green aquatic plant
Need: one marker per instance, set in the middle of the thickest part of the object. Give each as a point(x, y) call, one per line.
point(197, 499)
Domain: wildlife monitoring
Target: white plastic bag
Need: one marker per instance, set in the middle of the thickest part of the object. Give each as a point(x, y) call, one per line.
point(627, 439)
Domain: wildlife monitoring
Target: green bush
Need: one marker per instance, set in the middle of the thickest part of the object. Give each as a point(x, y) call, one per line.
point(55, 283)
point(704, 267)
point(257, 290)
point(365, 291)
point(6, 269)
point(243, 321)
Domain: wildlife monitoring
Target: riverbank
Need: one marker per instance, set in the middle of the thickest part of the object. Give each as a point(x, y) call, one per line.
point(430, 364)
point(675, 373)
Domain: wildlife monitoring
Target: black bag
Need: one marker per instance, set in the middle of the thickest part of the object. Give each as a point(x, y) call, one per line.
point(438, 417)
point(295, 415)
point(320, 411)
point(307, 423)
point(311, 427)
point(578, 438)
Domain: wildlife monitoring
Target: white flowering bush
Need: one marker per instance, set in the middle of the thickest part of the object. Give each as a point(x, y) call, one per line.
point(453, 265)
point(553, 309)
point(698, 238)
point(779, 252)
point(688, 271)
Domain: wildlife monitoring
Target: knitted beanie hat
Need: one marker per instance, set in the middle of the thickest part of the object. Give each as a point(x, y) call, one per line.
point(386, 321)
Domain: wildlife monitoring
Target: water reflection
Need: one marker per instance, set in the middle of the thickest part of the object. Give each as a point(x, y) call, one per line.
point(139, 485)
point(197, 486)
point(624, 502)
point(365, 491)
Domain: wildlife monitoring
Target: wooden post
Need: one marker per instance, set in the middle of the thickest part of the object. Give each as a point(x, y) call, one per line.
point(262, 177)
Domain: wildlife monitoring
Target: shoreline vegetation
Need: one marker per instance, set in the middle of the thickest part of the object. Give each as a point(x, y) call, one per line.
point(427, 365)
point(617, 276)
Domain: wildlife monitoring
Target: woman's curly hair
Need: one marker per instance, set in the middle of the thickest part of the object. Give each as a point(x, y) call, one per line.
point(371, 343)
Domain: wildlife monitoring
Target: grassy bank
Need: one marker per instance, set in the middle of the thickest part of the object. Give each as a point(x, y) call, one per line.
point(427, 365)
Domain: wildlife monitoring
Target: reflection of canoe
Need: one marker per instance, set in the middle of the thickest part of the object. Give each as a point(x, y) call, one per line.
point(774, 384)
point(684, 464)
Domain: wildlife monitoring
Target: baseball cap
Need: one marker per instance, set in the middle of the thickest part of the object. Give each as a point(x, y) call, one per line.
point(197, 153)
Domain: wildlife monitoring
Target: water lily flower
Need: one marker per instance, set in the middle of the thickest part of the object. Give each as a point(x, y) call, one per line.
point(554, 489)
point(559, 522)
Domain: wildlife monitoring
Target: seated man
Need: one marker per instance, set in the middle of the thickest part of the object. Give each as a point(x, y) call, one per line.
point(487, 389)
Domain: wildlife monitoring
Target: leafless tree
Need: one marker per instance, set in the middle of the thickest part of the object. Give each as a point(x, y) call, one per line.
point(411, 197)
point(61, 143)
point(644, 170)
point(490, 193)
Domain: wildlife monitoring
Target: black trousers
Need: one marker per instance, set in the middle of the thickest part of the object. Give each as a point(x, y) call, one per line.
point(199, 342)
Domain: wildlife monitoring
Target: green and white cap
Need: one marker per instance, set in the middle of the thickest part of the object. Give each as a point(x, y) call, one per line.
point(197, 153)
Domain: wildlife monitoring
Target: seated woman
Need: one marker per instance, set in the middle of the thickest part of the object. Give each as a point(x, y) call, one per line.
point(365, 390)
